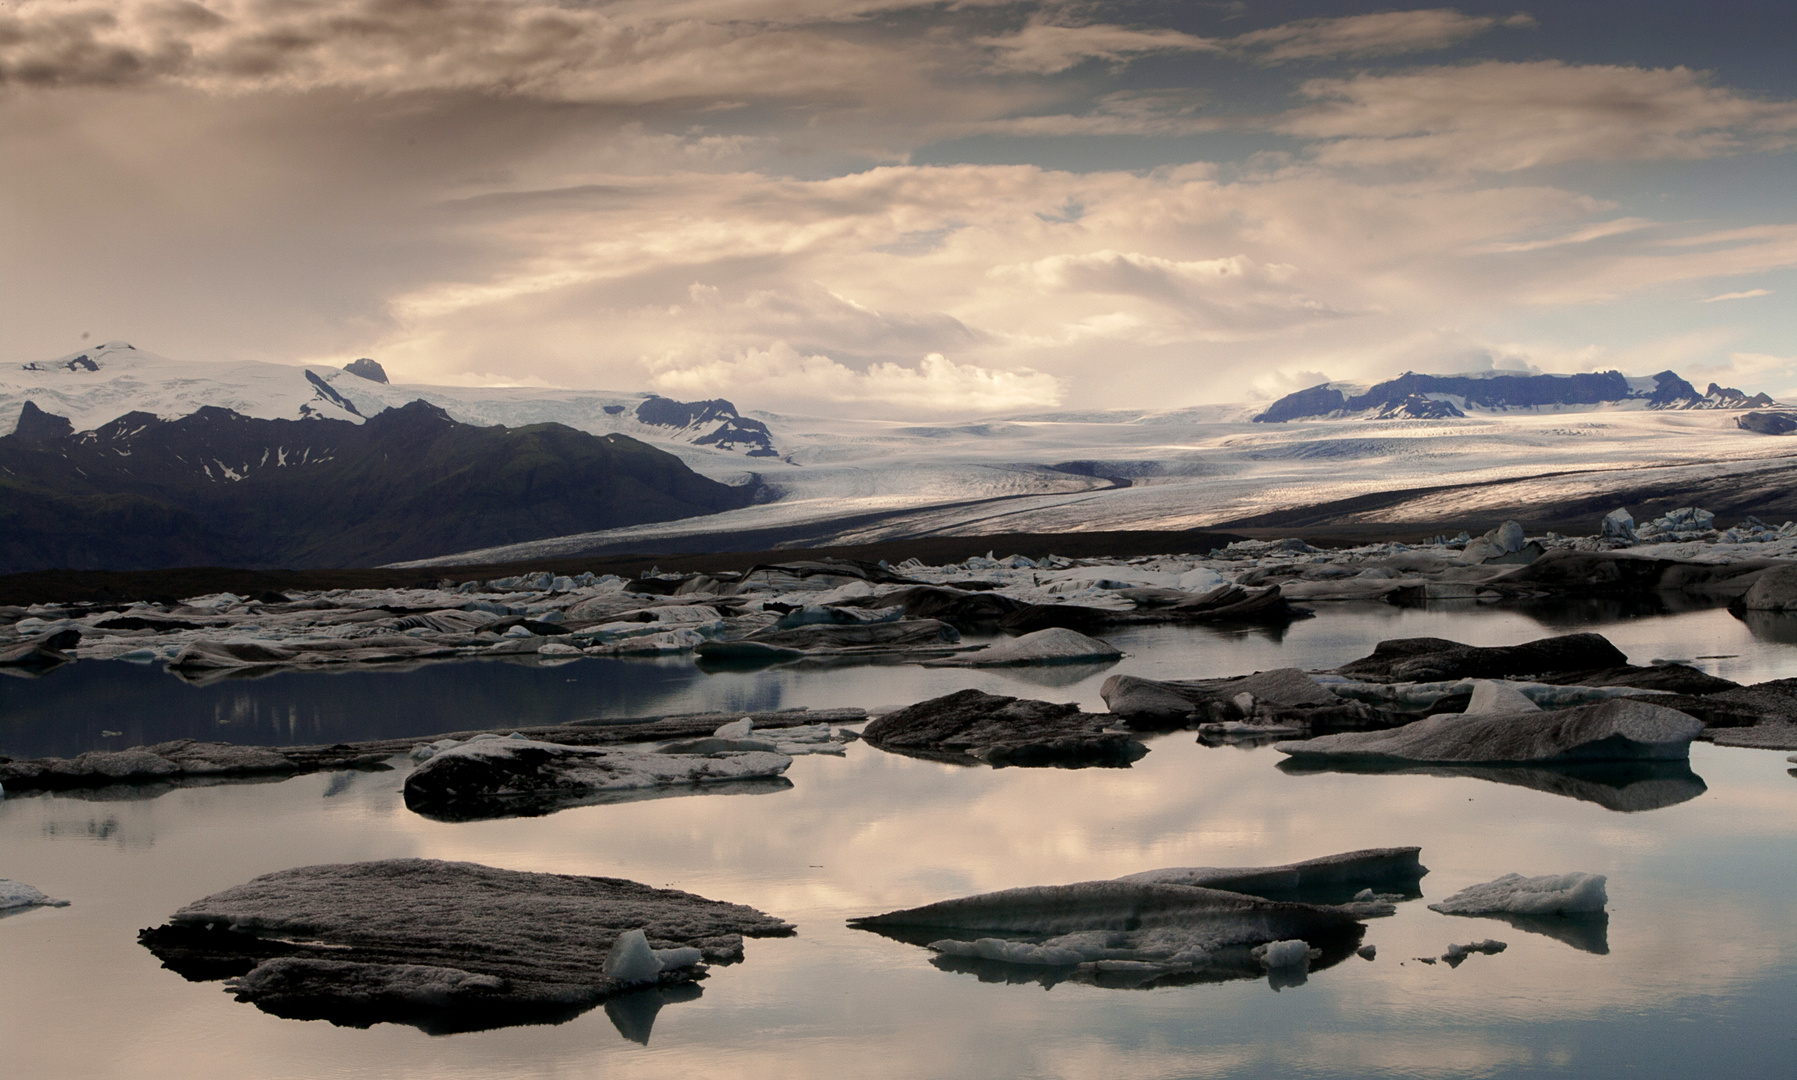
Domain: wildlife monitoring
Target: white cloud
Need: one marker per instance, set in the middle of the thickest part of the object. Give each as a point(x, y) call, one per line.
point(1501, 117)
point(1599, 231)
point(1748, 294)
point(936, 384)
point(1382, 33)
point(1043, 47)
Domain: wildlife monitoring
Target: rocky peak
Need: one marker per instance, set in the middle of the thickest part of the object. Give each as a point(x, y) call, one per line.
point(367, 369)
point(36, 425)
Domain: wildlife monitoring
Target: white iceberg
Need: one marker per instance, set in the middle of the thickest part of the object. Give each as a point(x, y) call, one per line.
point(17, 896)
point(1513, 894)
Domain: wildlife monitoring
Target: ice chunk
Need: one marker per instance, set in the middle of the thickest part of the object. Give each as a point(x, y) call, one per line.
point(1056, 645)
point(1495, 696)
point(1619, 730)
point(1513, 894)
point(1290, 953)
point(17, 896)
point(735, 729)
point(631, 960)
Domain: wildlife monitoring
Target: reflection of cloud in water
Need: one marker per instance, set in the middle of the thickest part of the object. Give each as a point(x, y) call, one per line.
point(1625, 786)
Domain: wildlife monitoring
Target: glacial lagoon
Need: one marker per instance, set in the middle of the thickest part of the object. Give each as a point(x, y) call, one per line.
point(1695, 971)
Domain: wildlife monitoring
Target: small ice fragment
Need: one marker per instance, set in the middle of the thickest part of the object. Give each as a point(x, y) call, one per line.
point(1282, 954)
point(1367, 952)
point(1456, 954)
point(736, 729)
point(1364, 895)
point(1424, 959)
point(1244, 701)
point(517, 631)
point(631, 960)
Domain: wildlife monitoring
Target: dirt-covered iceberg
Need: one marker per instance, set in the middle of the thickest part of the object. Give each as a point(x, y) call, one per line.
point(1624, 729)
point(970, 726)
point(449, 946)
point(522, 777)
point(1161, 926)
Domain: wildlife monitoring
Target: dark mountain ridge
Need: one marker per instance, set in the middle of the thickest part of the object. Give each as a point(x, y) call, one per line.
point(1405, 396)
point(728, 429)
point(219, 488)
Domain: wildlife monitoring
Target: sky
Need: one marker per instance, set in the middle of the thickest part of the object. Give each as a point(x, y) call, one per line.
point(891, 209)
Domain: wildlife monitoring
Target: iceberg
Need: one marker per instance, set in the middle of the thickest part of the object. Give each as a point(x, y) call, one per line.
point(1056, 645)
point(1623, 729)
point(520, 777)
point(16, 896)
point(448, 946)
point(1513, 894)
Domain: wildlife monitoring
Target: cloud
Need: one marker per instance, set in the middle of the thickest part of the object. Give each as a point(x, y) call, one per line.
point(1598, 231)
point(1747, 295)
point(1232, 293)
point(1502, 117)
point(936, 384)
point(530, 48)
point(1380, 34)
point(1043, 47)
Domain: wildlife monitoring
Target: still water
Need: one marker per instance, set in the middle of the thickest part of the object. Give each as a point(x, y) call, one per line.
point(1696, 975)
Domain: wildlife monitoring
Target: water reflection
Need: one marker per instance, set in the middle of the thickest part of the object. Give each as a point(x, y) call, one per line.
point(1587, 932)
point(77, 706)
point(1623, 786)
point(634, 1014)
point(545, 802)
point(1779, 627)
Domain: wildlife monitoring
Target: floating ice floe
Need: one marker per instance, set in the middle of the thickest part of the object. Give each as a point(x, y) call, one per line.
point(1625, 729)
point(1457, 954)
point(1134, 931)
point(18, 896)
point(448, 946)
point(971, 725)
point(501, 777)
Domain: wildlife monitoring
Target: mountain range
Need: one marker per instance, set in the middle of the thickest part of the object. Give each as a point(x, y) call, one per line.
point(119, 458)
point(219, 488)
point(1435, 397)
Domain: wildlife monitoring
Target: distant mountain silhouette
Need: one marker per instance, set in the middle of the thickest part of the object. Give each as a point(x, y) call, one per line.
point(219, 488)
point(1406, 396)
